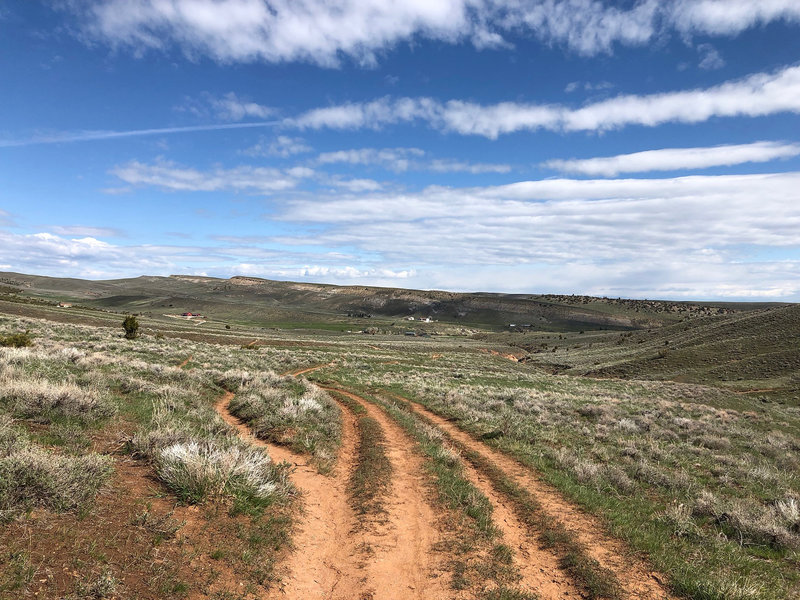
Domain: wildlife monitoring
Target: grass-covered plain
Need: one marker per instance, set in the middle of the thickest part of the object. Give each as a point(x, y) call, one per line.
point(695, 465)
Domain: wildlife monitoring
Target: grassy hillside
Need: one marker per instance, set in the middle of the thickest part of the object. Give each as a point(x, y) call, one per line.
point(252, 301)
point(750, 352)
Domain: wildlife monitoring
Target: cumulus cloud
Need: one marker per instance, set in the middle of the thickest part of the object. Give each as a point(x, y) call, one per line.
point(321, 31)
point(672, 159)
point(757, 95)
point(81, 257)
point(169, 176)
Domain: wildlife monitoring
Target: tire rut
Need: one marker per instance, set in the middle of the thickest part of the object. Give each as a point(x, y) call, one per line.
point(403, 559)
point(324, 564)
point(539, 568)
point(638, 581)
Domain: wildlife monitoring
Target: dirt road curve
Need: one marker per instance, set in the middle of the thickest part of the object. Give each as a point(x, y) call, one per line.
point(325, 562)
point(329, 562)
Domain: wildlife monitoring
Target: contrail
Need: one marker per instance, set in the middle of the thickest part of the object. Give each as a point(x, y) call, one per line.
point(87, 136)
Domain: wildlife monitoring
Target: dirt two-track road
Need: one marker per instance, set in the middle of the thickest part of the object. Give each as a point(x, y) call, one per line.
point(393, 555)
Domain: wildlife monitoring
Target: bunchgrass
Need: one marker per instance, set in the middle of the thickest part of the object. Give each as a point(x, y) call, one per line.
point(289, 411)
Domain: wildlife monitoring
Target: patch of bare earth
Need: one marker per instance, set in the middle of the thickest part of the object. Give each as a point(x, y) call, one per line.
point(402, 562)
point(638, 581)
point(135, 534)
point(305, 370)
point(324, 563)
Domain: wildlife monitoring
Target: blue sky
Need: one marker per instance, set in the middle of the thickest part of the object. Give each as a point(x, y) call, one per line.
point(631, 148)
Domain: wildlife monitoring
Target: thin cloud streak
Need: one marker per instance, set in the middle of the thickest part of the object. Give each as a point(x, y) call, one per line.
point(757, 95)
point(672, 159)
point(90, 136)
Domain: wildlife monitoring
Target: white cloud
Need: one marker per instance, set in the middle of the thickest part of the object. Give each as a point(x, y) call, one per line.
point(322, 31)
point(561, 220)
point(756, 95)
point(407, 159)
point(677, 237)
point(281, 30)
point(43, 253)
point(684, 237)
point(355, 185)
point(730, 16)
point(371, 115)
point(86, 231)
point(588, 86)
point(352, 272)
point(710, 57)
point(282, 146)
point(232, 108)
point(585, 26)
point(170, 176)
point(396, 159)
point(457, 166)
point(672, 159)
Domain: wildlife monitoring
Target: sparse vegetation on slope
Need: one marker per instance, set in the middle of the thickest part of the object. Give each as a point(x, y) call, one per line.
point(289, 411)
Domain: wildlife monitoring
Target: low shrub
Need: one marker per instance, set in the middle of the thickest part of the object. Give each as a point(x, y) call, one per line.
point(198, 471)
point(42, 400)
point(17, 340)
point(31, 476)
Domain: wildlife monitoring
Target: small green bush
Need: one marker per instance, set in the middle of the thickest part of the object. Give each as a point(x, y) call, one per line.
point(17, 340)
point(131, 327)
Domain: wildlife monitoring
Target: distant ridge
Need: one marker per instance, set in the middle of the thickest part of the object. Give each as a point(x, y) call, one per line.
point(254, 300)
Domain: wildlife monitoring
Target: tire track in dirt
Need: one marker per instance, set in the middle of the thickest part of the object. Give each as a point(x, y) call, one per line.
point(538, 568)
point(325, 562)
point(305, 370)
point(638, 581)
point(403, 559)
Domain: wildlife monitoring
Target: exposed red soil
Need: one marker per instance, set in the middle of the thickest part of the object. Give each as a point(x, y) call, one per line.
point(403, 561)
point(507, 356)
point(305, 370)
point(141, 536)
point(636, 578)
point(324, 564)
point(538, 567)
